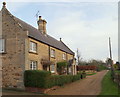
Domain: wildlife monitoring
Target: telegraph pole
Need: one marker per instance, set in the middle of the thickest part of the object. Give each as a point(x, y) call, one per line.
point(111, 62)
point(110, 48)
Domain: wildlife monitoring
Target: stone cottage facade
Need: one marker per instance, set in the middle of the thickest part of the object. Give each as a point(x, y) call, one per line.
point(23, 47)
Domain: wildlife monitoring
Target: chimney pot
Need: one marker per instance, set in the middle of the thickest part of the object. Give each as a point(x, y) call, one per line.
point(40, 17)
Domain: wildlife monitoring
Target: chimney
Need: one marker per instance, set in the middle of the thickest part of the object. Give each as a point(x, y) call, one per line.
point(42, 25)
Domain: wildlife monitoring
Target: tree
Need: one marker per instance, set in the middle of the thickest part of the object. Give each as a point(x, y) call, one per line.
point(78, 56)
point(109, 61)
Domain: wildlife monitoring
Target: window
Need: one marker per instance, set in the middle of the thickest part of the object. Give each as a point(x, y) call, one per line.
point(52, 68)
point(33, 47)
point(2, 45)
point(52, 53)
point(33, 65)
point(64, 56)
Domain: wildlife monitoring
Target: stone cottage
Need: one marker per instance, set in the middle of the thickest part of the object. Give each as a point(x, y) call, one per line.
point(23, 47)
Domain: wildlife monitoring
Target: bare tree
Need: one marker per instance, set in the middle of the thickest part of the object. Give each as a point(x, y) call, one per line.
point(78, 56)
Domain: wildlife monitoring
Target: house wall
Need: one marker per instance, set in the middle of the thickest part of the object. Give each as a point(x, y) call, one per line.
point(43, 51)
point(13, 60)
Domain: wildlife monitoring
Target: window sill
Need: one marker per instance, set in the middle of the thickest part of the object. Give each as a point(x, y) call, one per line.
point(52, 57)
point(52, 71)
point(3, 53)
point(33, 52)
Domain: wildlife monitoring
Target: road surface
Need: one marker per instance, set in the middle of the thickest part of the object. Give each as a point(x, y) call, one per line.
point(88, 86)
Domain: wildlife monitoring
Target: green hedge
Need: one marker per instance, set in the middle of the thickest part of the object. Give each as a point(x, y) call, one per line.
point(43, 79)
point(101, 67)
point(35, 78)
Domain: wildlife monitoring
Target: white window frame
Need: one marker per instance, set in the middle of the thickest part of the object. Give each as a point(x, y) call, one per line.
point(2, 43)
point(52, 68)
point(52, 53)
point(64, 56)
point(33, 65)
point(33, 47)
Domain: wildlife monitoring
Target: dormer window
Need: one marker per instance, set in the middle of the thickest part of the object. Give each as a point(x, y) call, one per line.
point(33, 47)
point(2, 45)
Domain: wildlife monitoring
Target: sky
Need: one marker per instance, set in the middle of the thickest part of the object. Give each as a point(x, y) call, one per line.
point(83, 25)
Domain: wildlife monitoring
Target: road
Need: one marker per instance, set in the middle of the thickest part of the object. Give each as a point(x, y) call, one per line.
point(88, 86)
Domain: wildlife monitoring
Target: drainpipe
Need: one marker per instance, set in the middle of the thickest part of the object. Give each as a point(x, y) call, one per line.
point(49, 55)
point(67, 64)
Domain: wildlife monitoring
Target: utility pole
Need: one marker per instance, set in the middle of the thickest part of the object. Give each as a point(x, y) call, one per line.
point(78, 56)
point(110, 48)
point(111, 62)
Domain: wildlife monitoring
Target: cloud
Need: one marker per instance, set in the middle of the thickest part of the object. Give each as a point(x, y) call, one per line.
point(86, 26)
point(91, 37)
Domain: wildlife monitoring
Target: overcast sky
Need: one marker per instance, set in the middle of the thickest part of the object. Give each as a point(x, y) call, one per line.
point(83, 25)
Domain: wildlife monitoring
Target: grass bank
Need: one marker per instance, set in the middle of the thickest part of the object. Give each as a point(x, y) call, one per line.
point(108, 86)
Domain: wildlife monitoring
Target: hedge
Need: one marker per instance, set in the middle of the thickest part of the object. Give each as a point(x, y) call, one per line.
point(35, 78)
point(43, 79)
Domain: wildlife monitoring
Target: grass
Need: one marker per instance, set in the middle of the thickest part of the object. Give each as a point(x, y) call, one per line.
point(117, 71)
point(108, 86)
point(90, 73)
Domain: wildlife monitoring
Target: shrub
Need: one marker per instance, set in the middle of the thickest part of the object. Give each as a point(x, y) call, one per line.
point(61, 67)
point(101, 67)
point(35, 78)
point(43, 79)
point(60, 80)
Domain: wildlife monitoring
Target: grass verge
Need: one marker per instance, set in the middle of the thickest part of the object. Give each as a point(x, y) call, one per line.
point(90, 73)
point(108, 86)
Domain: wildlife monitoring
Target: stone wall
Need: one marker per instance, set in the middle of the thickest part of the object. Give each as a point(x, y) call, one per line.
point(43, 51)
point(13, 59)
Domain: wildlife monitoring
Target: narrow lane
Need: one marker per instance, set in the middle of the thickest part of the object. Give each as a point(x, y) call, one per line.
point(88, 86)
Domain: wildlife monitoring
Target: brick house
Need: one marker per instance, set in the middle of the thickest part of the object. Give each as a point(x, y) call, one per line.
point(24, 47)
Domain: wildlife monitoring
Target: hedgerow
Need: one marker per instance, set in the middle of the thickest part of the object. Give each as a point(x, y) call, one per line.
point(44, 79)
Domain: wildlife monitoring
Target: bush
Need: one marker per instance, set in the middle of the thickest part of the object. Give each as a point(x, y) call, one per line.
point(60, 80)
point(43, 79)
point(61, 67)
point(35, 78)
point(101, 67)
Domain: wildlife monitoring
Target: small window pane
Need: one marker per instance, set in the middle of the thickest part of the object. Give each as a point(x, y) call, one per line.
point(64, 56)
point(2, 45)
point(52, 68)
point(33, 47)
point(52, 53)
point(33, 65)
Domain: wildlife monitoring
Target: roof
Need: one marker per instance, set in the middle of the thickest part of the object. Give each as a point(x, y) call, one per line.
point(37, 35)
